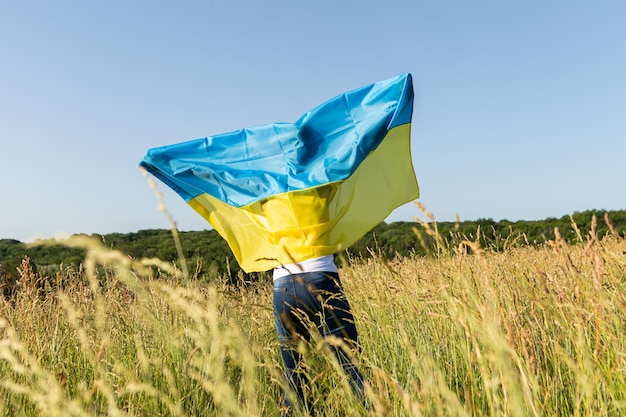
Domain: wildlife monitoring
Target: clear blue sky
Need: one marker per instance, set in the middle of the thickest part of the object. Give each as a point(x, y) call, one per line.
point(520, 108)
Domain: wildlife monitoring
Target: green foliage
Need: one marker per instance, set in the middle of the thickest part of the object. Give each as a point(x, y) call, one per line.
point(208, 256)
point(408, 238)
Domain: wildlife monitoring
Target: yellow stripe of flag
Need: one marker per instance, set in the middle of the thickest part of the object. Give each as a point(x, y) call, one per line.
point(317, 221)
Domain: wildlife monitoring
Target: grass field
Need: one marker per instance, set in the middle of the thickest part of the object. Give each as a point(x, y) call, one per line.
point(464, 332)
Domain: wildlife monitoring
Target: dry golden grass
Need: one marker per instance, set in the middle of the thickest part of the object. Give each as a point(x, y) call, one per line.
point(467, 332)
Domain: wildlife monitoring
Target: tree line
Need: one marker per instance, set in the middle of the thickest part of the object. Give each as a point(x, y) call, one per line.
point(208, 256)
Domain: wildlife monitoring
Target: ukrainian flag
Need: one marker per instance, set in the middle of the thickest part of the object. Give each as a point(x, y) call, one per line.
point(286, 192)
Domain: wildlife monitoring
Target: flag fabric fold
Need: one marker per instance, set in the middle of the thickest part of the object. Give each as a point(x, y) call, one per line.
point(285, 192)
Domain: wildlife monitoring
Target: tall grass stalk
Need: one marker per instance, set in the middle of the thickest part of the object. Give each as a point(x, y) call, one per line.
point(463, 332)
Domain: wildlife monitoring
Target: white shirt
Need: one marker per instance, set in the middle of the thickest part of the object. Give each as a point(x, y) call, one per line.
point(321, 264)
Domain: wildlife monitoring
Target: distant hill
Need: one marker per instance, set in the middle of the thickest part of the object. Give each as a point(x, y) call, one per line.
point(208, 255)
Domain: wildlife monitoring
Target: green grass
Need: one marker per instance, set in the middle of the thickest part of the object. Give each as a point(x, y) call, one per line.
point(523, 332)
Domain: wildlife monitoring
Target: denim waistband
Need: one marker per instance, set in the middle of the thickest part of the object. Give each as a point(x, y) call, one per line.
point(306, 276)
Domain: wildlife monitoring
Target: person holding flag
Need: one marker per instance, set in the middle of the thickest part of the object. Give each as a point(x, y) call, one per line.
point(288, 196)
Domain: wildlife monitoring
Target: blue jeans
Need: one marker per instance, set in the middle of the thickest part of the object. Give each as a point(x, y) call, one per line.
point(313, 299)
